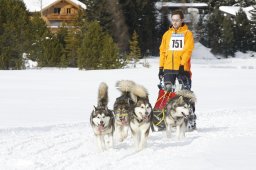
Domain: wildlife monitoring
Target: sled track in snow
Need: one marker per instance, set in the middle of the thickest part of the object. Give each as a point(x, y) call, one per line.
point(73, 146)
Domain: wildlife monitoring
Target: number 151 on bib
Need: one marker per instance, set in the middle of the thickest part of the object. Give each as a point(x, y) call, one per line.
point(176, 42)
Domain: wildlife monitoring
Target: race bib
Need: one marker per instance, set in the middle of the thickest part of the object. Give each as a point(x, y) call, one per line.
point(176, 42)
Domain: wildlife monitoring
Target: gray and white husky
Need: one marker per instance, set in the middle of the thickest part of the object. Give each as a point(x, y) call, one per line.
point(123, 109)
point(102, 119)
point(140, 119)
point(178, 112)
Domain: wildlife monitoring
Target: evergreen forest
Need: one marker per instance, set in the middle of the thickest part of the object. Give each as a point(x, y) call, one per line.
point(111, 33)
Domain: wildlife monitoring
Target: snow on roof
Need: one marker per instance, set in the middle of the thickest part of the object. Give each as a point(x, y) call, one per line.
point(159, 5)
point(35, 5)
point(233, 10)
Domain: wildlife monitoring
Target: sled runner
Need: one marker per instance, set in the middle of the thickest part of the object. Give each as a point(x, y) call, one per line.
point(166, 94)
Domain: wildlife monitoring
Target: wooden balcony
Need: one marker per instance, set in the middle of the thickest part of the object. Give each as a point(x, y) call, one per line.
point(61, 17)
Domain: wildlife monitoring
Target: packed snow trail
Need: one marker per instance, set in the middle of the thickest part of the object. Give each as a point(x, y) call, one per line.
point(73, 146)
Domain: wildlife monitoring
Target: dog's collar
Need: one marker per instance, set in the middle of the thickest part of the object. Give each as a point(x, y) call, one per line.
point(121, 114)
point(119, 121)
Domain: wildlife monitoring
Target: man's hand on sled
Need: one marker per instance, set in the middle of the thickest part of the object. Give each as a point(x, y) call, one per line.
point(161, 73)
point(181, 70)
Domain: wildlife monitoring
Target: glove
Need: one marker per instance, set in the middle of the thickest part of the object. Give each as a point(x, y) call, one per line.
point(161, 73)
point(181, 70)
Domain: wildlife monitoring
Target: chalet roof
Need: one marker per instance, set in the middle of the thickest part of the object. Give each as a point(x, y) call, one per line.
point(35, 5)
point(233, 10)
point(159, 5)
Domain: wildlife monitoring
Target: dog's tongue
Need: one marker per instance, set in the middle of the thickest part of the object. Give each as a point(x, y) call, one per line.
point(101, 127)
point(145, 118)
point(124, 122)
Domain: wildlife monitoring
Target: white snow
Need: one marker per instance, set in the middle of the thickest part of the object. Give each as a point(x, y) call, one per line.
point(44, 119)
point(29, 64)
point(159, 5)
point(233, 10)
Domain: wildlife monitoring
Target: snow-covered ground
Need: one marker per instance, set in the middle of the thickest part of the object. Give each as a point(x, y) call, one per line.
point(44, 119)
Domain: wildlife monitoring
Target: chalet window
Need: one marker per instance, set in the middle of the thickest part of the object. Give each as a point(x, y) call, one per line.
point(68, 10)
point(56, 10)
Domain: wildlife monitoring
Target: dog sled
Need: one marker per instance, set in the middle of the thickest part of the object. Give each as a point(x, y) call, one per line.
point(166, 94)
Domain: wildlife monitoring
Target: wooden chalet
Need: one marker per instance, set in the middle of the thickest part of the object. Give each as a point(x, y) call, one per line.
point(56, 13)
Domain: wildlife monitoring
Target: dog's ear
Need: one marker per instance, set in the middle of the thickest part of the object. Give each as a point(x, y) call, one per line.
point(106, 108)
point(134, 97)
point(180, 100)
point(147, 99)
point(191, 101)
point(94, 110)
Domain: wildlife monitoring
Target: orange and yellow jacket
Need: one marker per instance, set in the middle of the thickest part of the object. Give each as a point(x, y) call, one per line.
point(171, 58)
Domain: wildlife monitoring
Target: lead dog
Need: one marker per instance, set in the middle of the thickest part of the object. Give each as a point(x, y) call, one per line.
point(102, 119)
point(134, 107)
point(123, 109)
point(178, 112)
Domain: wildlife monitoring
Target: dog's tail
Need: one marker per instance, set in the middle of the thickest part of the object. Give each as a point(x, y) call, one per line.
point(131, 88)
point(138, 91)
point(103, 95)
point(125, 86)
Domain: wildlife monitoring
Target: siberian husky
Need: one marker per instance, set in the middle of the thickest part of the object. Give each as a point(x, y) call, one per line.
point(179, 110)
point(123, 109)
point(102, 119)
point(140, 119)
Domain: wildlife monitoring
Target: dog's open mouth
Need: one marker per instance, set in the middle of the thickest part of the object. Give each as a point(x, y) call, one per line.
point(124, 121)
point(101, 127)
point(145, 118)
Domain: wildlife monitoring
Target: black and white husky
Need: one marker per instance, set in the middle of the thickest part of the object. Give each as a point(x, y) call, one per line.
point(102, 119)
point(140, 119)
point(123, 109)
point(178, 112)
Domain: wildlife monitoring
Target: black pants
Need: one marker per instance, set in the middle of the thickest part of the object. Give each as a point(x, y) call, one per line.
point(171, 75)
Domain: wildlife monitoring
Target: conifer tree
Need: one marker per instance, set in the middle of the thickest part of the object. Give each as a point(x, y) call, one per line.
point(146, 27)
point(214, 27)
point(253, 29)
point(111, 18)
point(97, 49)
point(227, 37)
point(51, 52)
point(46, 48)
point(70, 40)
point(246, 3)
point(14, 33)
point(89, 52)
point(38, 34)
point(140, 16)
point(72, 44)
point(135, 52)
point(61, 36)
point(202, 31)
point(242, 31)
point(109, 56)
